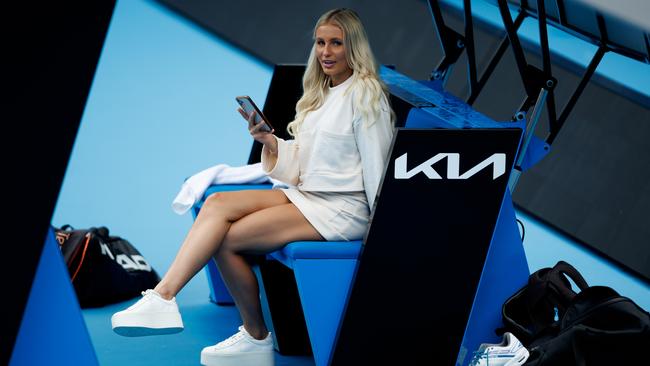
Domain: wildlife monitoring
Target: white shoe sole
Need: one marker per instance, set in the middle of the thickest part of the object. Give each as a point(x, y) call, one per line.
point(520, 358)
point(240, 359)
point(138, 325)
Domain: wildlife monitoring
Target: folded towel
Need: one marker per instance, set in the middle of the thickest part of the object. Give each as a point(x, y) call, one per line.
point(194, 187)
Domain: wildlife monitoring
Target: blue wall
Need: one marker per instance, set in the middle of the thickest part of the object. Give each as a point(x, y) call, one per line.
point(161, 108)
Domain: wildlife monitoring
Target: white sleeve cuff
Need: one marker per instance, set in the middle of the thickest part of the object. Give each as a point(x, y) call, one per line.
point(286, 167)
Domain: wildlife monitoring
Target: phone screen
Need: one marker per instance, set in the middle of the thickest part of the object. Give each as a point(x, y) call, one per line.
point(248, 106)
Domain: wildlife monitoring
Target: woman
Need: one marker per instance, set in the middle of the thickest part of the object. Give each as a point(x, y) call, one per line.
point(343, 129)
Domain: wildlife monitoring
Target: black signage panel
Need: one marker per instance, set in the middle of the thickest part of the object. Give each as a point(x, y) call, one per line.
point(426, 246)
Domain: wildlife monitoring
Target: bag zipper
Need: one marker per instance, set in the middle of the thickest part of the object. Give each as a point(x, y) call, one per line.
point(581, 317)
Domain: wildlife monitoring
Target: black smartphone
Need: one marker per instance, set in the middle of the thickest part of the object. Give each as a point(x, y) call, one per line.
point(247, 104)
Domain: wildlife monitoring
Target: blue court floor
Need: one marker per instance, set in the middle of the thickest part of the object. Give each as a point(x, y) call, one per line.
point(162, 108)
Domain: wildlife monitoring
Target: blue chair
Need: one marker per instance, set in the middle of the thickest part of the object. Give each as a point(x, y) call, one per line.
point(323, 273)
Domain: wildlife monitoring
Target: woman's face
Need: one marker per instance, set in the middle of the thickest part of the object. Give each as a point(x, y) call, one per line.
point(330, 50)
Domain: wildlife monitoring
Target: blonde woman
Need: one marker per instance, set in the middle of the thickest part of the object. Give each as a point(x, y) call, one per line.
point(342, 133)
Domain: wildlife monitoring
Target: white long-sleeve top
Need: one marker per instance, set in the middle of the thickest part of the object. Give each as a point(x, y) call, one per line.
point(335, 150)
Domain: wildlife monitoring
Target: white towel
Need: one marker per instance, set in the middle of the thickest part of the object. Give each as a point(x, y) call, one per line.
point(194, 187)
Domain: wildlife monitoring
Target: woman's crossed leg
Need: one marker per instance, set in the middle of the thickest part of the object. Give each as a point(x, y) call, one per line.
point(254, 220)
point(257, 233)
point(229, 225)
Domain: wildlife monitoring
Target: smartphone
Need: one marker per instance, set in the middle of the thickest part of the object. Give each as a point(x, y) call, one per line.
point(247, 104)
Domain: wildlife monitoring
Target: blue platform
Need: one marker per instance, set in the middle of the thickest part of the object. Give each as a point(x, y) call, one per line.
point(53, 331)
point(324, 273)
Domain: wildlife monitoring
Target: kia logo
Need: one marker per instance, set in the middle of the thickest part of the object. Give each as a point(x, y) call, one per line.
point(498, 162)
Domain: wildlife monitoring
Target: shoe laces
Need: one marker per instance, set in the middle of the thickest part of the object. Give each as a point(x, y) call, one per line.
point(232, 339)
point(146, 295)
point(478, 356)
point(147, 292)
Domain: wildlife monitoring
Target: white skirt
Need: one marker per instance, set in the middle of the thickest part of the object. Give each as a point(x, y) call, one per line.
point(337, 216)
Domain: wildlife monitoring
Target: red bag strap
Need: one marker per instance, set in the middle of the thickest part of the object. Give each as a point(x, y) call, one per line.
point(83, 256)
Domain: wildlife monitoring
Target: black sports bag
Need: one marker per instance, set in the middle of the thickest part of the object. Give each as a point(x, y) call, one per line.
point(104, 269)
point(593, 327)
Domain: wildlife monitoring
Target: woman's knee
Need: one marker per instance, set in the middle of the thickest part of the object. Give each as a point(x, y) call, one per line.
point(216, 199)
point(219, 202)
point(237, 204)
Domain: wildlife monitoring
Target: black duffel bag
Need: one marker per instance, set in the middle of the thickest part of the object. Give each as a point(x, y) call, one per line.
point(560, 327)
point(104, 269)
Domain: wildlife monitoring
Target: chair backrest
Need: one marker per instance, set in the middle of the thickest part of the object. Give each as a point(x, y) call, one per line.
point(280, 104)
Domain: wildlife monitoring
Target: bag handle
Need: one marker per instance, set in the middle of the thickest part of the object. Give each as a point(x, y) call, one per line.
point(550, 287)
point(558, 280)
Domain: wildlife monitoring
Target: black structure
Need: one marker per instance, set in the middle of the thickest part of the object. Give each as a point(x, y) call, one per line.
point(426, 244)
point(288, 320)
point(280, 104)
point(50, 55)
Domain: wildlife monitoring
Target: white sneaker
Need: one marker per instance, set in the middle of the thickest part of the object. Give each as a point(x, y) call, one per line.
point(510, 352)
point(241, 349)
point(151, 315)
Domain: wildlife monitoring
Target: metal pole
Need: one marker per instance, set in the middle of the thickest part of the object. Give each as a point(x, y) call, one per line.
point(529, 133)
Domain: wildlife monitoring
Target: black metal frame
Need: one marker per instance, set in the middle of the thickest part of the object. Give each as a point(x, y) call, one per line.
point(494, 61)
point(555, 124)
point(469, 45)
point(535, 81)
point(451, 41)
point(533, 78)
point(562, 21)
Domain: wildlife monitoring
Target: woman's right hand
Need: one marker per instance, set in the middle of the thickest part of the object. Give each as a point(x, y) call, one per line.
point(263, 137)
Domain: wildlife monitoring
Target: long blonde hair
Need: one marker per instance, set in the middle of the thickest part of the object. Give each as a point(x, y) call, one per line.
point(369, 87)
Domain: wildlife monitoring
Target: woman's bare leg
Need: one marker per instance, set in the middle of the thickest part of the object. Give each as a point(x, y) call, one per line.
point(260, 232)
point(219, 211)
